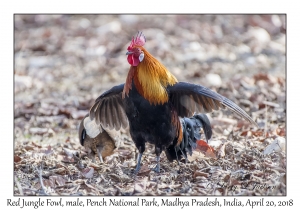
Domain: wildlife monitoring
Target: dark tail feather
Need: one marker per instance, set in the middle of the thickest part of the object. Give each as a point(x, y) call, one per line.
point(191, 128)
point(206, 125)
point(81, 132)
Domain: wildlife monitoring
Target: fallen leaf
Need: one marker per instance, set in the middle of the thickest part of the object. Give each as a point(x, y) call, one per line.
point(206, 149)
point(88, 172)
point(144, 170)
point(280, 131)
point(94, 165)
point(61, 170)
point(38, 131)
point(28, 147)
point(17, 159)
point(49, 183)
point(124, 153)
point(48, 150)
point(261, 76)
point(34, 144)
point(59, 180)
point(277, 145)
point(200, 173)
point(67, 159)
point(222, 150)
point(70, 152)
point(140, 186)
point(258, 133)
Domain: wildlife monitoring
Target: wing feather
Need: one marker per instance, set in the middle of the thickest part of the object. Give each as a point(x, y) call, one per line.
point(114, 108)
point(187, 98)
point(108, 110)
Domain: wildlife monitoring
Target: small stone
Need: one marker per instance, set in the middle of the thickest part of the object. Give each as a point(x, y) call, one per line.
point(214, 79)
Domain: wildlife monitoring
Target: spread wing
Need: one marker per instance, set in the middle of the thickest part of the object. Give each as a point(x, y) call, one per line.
point(108, 109)
point(189, 98)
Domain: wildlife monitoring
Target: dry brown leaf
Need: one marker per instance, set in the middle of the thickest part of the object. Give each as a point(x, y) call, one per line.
point(200, 173)
point(67, 159)
point(206, 149)
point(88, 172)
point(34, 144)
point(17, 159)
point(124, 153)
point(115, 177)
point(59, 180)
point(94, 165)
point(281, 132)
point(144, 170)
point(28, 147)
point(49, 183)
point(61, 170)
point(261, 76)
point(258, 133)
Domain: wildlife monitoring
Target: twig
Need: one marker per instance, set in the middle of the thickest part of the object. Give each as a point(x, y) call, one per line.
point(266, 124)
point(41, 180)
point(206, 164)
point(205, 168)
point(19, 186)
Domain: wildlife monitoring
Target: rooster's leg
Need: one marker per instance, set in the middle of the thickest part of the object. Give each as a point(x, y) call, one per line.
point(157, 168)
point(141, 149)
point(158, 151)
point(138, 166)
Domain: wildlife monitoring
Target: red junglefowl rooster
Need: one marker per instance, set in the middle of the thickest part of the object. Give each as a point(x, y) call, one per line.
point(151, 101)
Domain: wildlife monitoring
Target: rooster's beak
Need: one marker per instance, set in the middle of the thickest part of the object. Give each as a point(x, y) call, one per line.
point(129, 53)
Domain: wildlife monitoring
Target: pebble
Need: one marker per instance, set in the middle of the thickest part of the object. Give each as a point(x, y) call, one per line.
point(214, 79)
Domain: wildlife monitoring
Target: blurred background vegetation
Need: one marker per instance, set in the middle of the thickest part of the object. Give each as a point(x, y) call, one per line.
point(72, 59)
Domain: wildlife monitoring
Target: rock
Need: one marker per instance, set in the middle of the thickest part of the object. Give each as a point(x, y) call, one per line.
point(113, 26)
point(84, 23)
point(214, 79)
point(38, 131)
point(40, 61)
point(128, 19)
point(22, 83)
point(260, 34)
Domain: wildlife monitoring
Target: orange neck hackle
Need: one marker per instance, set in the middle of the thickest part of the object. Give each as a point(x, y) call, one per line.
point(151, 79)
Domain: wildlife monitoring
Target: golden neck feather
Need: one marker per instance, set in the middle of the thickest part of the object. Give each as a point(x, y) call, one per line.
point(151, 79)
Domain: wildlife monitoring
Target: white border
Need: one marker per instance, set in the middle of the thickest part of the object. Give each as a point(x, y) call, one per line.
point(8, 8)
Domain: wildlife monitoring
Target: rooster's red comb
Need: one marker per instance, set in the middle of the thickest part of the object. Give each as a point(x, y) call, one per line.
point(139, 40)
